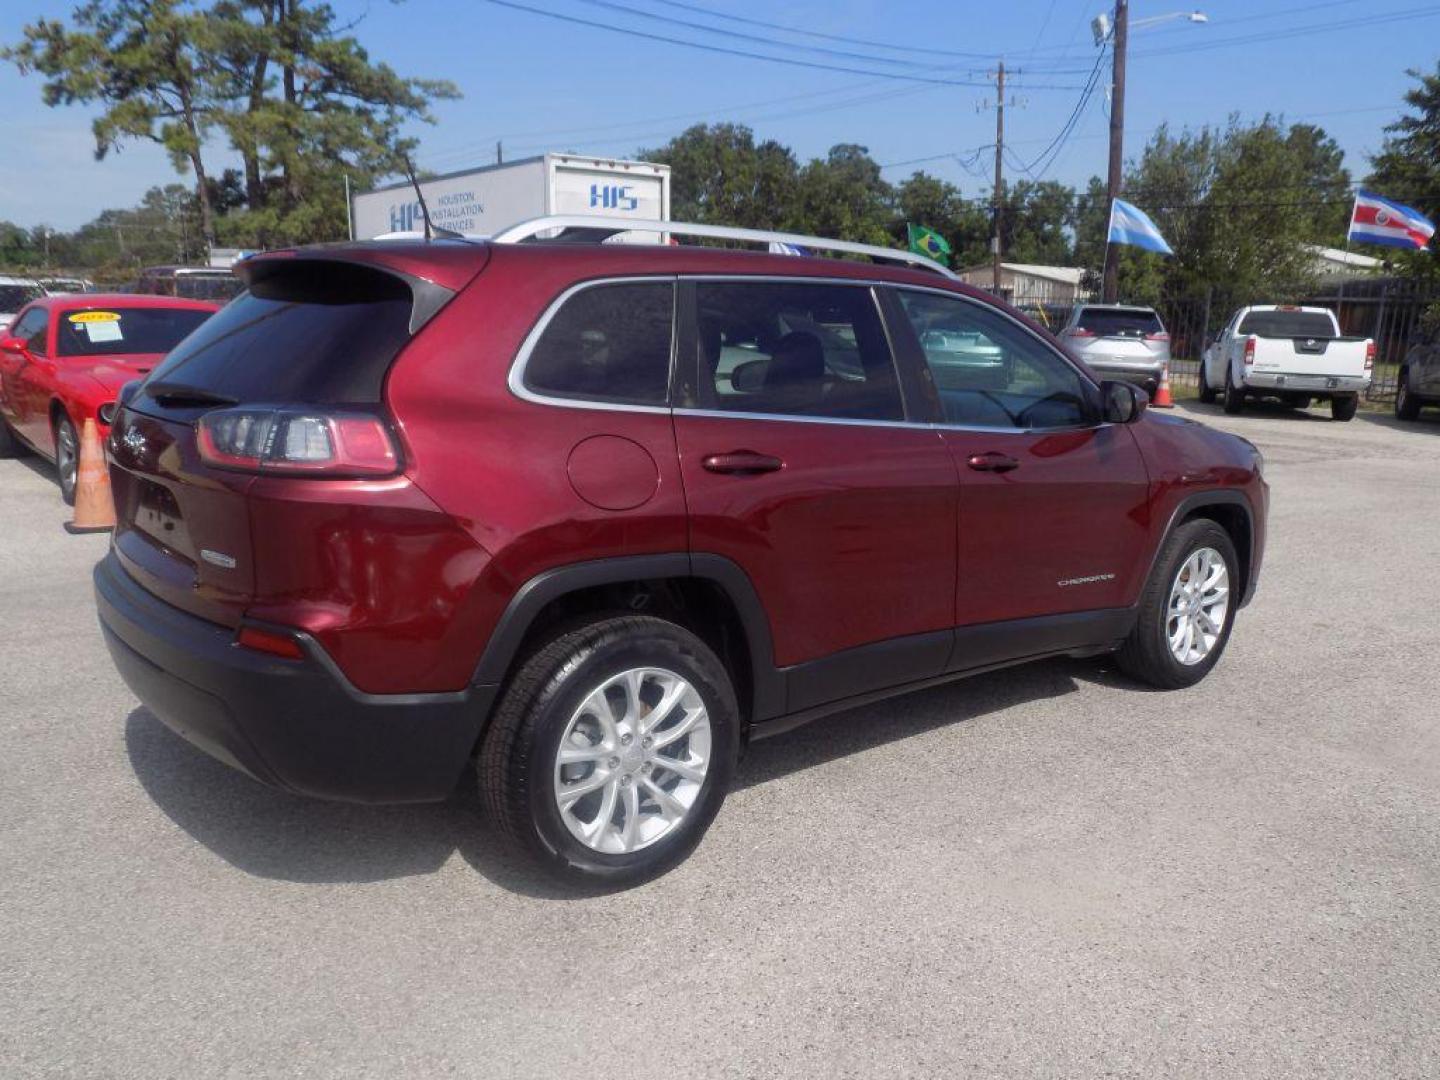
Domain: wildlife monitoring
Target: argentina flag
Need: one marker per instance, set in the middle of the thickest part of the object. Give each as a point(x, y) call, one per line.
point(1131, 225)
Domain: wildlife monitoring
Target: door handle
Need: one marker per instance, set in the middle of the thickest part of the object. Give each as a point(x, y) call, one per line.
point(992, 462)
point(741, 463)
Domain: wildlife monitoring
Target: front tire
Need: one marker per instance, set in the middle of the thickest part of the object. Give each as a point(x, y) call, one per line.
point(612, 750)
point(1344, 408)
point(67, 457)
point(1186, 610)
point(1407, 405)
point(1234, 397)
point(10, 444)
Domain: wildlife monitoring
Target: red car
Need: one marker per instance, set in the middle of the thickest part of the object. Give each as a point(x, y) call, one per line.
point(592, 516)
point(64, 359)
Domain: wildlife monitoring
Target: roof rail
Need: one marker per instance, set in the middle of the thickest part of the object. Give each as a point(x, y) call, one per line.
point(597, 229)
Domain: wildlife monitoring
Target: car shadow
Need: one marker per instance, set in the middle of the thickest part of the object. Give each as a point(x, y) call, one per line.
point(272, 834)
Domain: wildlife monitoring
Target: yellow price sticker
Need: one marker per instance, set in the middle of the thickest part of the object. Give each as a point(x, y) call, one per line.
point(95, 316)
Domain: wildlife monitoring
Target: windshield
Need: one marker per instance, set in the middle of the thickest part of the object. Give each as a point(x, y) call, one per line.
point(1291, 324)
point(14, 297)
point(207, 286)
point(1120, 322)
point(120, 331)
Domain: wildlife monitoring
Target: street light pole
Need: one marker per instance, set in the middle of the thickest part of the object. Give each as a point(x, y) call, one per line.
point(1110, 291)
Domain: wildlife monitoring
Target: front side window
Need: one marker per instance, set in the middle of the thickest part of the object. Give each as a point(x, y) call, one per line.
point(794, 348)
point(608, 343)
point(988, 371)
point(31, 328)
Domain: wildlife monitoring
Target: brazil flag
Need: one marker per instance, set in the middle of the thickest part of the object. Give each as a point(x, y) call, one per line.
point(925, 241)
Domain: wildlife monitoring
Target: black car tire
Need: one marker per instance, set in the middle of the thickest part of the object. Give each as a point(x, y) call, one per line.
point(519, 750)
point(1407, 405)
point(1344, 407)
point(10, 444)
point(1207, 392)
point(1145, 654)
point(67, 474)
point(1234, 398)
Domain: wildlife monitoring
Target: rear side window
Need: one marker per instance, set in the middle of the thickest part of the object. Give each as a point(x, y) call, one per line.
point(118, 330)
point(796, 349)
point(607, 343)
point(1116, 322)
point(1286, 324)
point(317, 334)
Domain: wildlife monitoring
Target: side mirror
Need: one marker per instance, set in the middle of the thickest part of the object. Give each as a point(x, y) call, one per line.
point(12, 345)
point(1122, 403)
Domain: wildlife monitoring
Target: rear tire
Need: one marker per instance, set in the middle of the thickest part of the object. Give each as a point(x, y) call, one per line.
point(1407, 405)
point(594, 693)
point(1344, 408)
point(67, 457)
point(1207, 392)
point(1172, 600)
point(1234, 398)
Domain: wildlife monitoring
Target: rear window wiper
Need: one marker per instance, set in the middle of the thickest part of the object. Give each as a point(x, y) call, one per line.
point(177, 395)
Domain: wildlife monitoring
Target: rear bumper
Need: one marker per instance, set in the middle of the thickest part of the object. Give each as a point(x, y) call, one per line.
point(294, 724)
point(1147, 375)
point(1334, 384)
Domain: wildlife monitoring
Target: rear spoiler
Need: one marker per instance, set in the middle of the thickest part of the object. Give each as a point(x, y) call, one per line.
point(434, 271)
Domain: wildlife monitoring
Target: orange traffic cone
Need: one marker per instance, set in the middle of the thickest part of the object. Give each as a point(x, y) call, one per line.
point(94, 506)
point(1163, 400)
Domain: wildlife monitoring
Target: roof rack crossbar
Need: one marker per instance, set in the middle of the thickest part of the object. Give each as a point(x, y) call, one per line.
point(594, 229)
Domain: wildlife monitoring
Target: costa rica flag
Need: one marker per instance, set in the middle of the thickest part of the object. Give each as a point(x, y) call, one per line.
point(1379, 221)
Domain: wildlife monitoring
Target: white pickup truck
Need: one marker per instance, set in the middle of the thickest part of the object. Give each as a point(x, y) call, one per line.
point(1296, 354)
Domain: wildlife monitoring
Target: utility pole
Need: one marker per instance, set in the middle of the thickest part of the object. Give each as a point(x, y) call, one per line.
point(999, 195)
point(1110, 291)
point(499, 152)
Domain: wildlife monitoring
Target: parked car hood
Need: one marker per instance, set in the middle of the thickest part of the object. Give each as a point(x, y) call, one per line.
point(113, 372)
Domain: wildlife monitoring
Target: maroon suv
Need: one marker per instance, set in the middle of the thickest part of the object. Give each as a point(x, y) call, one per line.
point(593, 516)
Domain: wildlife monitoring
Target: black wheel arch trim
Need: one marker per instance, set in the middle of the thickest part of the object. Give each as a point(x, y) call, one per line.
point(768, 683)
point(1199, 500)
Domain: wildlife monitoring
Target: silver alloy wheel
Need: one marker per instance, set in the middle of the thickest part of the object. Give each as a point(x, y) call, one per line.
point(1199, 602)
point(66, 455)
point(632, 760)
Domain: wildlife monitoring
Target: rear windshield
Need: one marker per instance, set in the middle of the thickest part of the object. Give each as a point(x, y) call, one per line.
point(321, 335)
point(1302, 324)
point(14, 297)
point(118, 330)
point(1119, 322)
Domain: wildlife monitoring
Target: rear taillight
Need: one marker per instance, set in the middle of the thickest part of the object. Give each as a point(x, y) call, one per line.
point(1249, 350)
point(297, 442)
point(1161, 336)
point(1369, 354)
point(1080, 331)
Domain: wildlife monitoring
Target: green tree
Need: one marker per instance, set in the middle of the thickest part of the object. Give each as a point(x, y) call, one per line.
point(1036, 225)
point(720, 175)
point(146, 62)
point(843, 196)
point(927, 200)
point(1407, 167)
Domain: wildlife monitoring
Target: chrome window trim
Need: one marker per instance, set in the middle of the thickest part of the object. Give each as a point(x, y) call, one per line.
point(516, 379)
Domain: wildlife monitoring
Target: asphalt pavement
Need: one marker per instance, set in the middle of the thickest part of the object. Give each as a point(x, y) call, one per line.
point(1046, 871)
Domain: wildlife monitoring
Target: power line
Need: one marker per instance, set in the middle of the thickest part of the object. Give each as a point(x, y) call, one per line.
point(1052, 151)
point(1430, 11)
point(816, 65)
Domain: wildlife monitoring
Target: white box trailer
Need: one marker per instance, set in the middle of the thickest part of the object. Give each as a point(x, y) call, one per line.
point(482, 202)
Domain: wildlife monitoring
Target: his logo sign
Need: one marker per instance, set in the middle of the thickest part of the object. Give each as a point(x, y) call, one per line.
point(613, 197)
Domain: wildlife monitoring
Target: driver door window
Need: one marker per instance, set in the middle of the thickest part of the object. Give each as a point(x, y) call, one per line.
point(988, 372)
point(31, 329)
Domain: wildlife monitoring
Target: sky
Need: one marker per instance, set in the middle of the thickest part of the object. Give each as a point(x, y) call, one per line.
point(539, 83)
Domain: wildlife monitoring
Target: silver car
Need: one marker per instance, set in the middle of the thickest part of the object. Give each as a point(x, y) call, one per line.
point(1119, 341)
